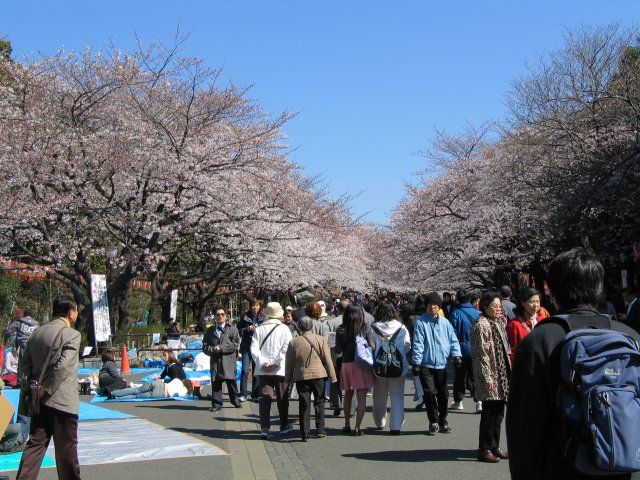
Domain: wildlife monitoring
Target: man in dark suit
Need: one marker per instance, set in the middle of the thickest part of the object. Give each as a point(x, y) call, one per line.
point(221, 342)
point(60, 404)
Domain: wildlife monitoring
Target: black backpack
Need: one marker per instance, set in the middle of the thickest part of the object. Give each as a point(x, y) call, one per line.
point(387, 362)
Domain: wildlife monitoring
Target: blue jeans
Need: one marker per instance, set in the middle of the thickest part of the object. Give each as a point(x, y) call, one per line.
point(147, 390)
point(25, 422)
point(244, 377)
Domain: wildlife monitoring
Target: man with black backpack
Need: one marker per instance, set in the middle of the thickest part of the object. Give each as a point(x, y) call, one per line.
point(573, 408)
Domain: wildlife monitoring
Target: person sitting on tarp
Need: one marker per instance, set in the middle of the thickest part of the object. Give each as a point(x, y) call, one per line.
point(10, 368)
point(155, 389)
point(172, 369)
point(109, 379)
point(14, 438)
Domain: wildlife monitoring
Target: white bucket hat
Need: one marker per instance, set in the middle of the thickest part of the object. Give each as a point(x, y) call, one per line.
point(274, 310)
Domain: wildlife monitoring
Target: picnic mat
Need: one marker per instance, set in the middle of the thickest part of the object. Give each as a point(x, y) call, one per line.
point(87, 411)
point(133, 440)
point(11, 461)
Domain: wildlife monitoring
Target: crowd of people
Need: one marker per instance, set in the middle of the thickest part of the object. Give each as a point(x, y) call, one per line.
point(504, 353)
point(480, 334)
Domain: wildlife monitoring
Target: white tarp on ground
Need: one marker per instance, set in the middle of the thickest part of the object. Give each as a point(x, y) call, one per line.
point(134, 440)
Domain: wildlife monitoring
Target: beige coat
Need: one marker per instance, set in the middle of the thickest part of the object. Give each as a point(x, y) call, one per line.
point(304, 364)
point(61, 379)
point(490, 357)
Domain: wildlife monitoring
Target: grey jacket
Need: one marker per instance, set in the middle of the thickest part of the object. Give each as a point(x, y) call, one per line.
point(507, 308)
point(61, 379)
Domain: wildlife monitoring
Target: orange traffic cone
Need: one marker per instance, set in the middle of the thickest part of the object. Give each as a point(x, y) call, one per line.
point(125, 369)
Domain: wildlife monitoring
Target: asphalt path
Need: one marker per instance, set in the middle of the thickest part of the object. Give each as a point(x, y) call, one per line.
point(376, 455)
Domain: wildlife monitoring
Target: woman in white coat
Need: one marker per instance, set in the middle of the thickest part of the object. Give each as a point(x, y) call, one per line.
point(388, 328)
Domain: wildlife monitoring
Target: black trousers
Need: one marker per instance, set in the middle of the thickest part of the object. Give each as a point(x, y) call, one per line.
point(273, 386)
point(463, 380)
point(63, 427)
point(335, 393)
point(490, 422)
point(436, 394)
point(307, 388)
point(216, 392)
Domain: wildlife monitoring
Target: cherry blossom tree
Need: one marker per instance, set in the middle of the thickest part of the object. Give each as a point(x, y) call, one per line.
point(562, 172)
point(145, 153)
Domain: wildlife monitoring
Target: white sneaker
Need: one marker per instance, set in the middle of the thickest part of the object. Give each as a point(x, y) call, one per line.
point(456, 406)
point(478, 406)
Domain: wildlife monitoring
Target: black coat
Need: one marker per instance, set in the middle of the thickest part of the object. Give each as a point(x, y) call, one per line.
point(533, 420)
point(245, 333)
point(223, 363)
point(173, 371)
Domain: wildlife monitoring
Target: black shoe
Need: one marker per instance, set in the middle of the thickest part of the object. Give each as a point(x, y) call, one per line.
point(420, 406)
point(336, 412)
point(346, 429)
point(321, 434)
point(215, 409)
point(486, 456)
point(500, 454)
point(444, 428)
point(394, 432)
point(304, 439)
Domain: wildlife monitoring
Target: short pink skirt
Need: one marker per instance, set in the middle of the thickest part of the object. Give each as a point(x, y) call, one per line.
point(354, 377)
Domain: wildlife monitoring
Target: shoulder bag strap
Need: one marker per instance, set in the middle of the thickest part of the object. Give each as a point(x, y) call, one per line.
point(467, 314)
point(576, 322)
point(45, 365)
point(395, 335)
point(380, 334)
point(314, 349)
point(268, 335)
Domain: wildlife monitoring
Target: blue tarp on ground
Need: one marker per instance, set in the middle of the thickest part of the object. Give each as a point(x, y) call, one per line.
point(202, 375)
point(87, 412)
point(99, 399)
point(11, 461)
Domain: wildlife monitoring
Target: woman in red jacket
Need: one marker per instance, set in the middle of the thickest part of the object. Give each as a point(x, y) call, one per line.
point(527, 316)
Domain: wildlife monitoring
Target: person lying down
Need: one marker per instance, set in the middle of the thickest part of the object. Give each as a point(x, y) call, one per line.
point(155, 389)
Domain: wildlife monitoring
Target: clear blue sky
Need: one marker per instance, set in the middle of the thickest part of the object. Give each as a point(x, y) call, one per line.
point(372, 79)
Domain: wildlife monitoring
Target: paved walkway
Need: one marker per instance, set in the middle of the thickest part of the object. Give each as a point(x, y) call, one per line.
point(376, 455)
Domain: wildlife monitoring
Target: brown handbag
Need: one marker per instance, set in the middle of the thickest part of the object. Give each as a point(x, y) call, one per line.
point(36, 390)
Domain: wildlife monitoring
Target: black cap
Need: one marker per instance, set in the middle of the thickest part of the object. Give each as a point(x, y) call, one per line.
point(433, 298)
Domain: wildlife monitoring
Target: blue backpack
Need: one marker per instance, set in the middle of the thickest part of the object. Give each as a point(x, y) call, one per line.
point(599, 396)
point(364, 353)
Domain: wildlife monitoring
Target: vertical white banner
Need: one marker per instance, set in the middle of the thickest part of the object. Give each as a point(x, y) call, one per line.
point(173, 311)
point(100, 304)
